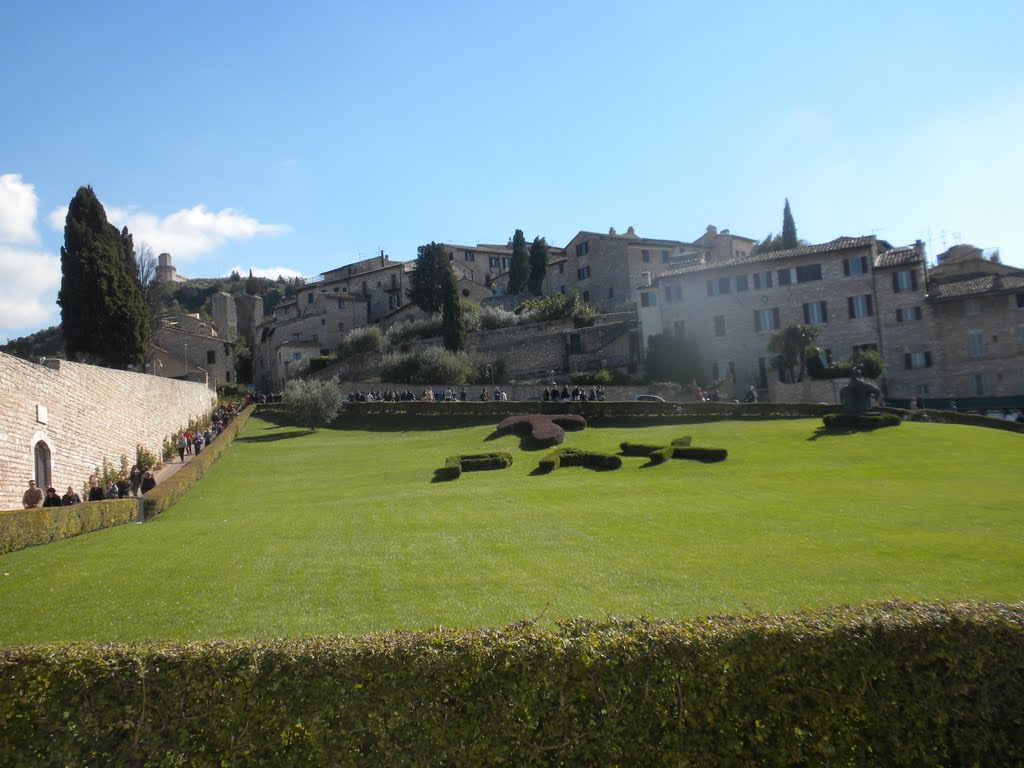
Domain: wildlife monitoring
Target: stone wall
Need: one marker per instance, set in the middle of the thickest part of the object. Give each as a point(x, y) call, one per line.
point(73, 416)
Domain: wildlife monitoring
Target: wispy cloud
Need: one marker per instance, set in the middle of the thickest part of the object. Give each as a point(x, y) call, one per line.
point(186, 234)
point(31, 277)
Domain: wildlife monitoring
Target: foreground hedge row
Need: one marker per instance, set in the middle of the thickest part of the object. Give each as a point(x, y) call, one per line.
point(178, 484)
point(21, 528)
point(454, 466)
point(892, 685)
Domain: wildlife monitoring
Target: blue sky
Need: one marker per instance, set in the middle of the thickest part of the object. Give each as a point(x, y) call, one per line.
point(295, 139)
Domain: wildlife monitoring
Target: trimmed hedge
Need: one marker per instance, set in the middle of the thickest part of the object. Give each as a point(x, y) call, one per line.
point(177, 485)
point(21, 528)
point(888, 685)
point(454, 466)
point(572, 457)
point(861, 420)
point(643, 449)
point(683, 442)
point(541, 430)
point(706, 455)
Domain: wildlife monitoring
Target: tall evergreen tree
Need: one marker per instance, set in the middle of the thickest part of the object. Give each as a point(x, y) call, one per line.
point(519, 270)
point(103, 314)
point(538, 265)
point(453, 323)
point(788, 228)
point(425, 282)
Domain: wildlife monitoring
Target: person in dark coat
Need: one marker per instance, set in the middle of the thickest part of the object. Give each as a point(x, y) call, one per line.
point(148, 481)
point(52, 499)
point(96, 493)
point(70, 498)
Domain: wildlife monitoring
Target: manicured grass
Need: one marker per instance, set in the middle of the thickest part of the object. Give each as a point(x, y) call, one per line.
point(343, 531)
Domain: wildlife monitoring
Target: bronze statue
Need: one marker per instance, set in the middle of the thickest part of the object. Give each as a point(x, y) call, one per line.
point(856, 396)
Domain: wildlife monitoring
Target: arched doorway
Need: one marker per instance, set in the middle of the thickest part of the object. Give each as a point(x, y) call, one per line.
point(42, 464)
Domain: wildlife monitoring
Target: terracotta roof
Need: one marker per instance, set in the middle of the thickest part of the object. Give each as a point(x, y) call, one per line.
point(839, 244)
point(976, 286)
point(897, 257)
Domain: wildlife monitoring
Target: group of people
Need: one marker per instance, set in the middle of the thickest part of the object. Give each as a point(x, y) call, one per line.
point(191, 443)
point(554, 394)
point(427, 395)
point(138, 482)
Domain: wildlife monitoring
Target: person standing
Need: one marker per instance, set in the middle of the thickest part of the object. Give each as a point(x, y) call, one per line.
point(70, 498)
point(33, 497)
point(135, 476)
point(52, 499)
point(182, 446)
point(148, 481)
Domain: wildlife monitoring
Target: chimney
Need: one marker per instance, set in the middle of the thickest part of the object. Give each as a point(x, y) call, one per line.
point(711, 231)
point(611, 231)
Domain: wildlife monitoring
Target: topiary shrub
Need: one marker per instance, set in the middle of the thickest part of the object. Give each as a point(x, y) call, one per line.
point(705, 455)
point(638, 449)
point(683, 442)
point(454, 466)
point(863, 421)
point(573, 457)
point(540, 430)
point(661, 455)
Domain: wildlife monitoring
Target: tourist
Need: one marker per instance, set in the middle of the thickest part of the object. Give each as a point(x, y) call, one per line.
point(33, 497)
point(182, 445)
point(483, 395)
point(135, 476)
point(70, 498)
point(123, 487)
point(96, 491)
point(751, 396)
point(148, 481)
point(52, 499)
point(111, 492)
point(188, 441)
point(207, 436)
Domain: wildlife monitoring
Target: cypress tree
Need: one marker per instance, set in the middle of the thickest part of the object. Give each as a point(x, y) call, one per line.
point(425, 282)
point(538, 265)
point(788, 228)
point(103, 313)
point(519, 270)
point(452, 321)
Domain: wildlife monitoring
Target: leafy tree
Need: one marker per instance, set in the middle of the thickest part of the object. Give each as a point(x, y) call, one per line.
point(538, 265)
point(790, 348)
point(674, 358)
point(103, 315)
point(558, 306)
point(425, 287)
point(452, 320)
point(312, 403)
point(360, 341)
point(519, 270)
point(788, 228)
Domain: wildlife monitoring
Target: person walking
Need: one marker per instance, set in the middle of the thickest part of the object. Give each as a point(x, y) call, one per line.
point(182, 446)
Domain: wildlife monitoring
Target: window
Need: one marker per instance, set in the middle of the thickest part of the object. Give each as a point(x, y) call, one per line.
point(296, 356)
point(323, 321)
point(575, 345)
point(724, 285)
point(766, 319)
point(506, 261)
point(611, 291)
point(648, 299)
point(664, 257)
point(394, 301)
point(673, 293)
point(855, 266)
point(296, 337)
point(741, 283)
point(816, 312)
point(583, 273)
point(719, 325)
point(976, 343)
point(808, 273)
point(972, 308)
point(904, 280)
point(979, 385)
point(335, 289)
point(586, 295)
point(722, 368)
point(468, 256)
point(494, 261)
point(679, 329)
point(645, 255)
point(908, 314)
point(211, 357)
point(860, 306)
point(712, 286)
point(561, 268)
point(786, 276)
point(913, 360)
point(762, 280)
point(309, 298)
point(922, 389)
point(582, 249)
point(341, 325)
point(1020, 301)
point(762, 373)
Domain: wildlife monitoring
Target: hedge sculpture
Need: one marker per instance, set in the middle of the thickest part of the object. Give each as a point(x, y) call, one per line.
point(540, 430)
point(454, 466)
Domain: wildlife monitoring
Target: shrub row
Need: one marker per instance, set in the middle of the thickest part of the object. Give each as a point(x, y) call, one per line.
point(23, 528)
point(642, 449)
point(861, 420)
point(178, 484)
point(454, 466)
point(895, 685)
point(542, 430)
point(572, 457)
point(705, 455)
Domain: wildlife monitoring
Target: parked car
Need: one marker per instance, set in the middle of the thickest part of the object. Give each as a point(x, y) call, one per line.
point(650, 398)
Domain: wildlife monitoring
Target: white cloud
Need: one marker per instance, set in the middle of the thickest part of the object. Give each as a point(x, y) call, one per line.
point(18, 205)
point(185, 234)
point(28, 290)
point(268, 272)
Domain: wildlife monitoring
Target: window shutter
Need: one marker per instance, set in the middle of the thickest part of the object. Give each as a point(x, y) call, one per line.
point(864, 264)
point(927, 359)
point(757, 320)
point(913, 280)
point(906, 360)
point(824, 311)
point(775, 318)
point(895, 282)
point(807, 314)
point(849, 306)
point(871, 310)
point(846, 267)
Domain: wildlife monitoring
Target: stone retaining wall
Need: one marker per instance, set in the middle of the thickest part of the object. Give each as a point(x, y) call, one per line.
point(80, 415)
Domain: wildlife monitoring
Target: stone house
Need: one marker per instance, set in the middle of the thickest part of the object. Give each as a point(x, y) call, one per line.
point(186, 346)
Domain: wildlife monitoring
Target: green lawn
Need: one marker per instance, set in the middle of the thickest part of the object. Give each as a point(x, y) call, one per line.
point(343, 531)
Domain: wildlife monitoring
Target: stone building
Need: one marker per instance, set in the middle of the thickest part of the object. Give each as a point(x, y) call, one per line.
point(61, 420)
point(166, 271)
point(186, 346)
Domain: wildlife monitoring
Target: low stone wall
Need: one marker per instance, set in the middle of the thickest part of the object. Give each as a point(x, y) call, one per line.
point(73, 416)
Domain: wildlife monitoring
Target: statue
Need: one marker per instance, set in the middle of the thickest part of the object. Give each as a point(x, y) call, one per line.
point(856, 396)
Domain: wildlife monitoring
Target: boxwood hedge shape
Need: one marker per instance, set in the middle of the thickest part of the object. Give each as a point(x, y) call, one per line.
point(638, 449)
point(454, 466)
point(706, 455)
point(542, 430)
point(861, 420)
point(683, 442)
point(572, 457)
